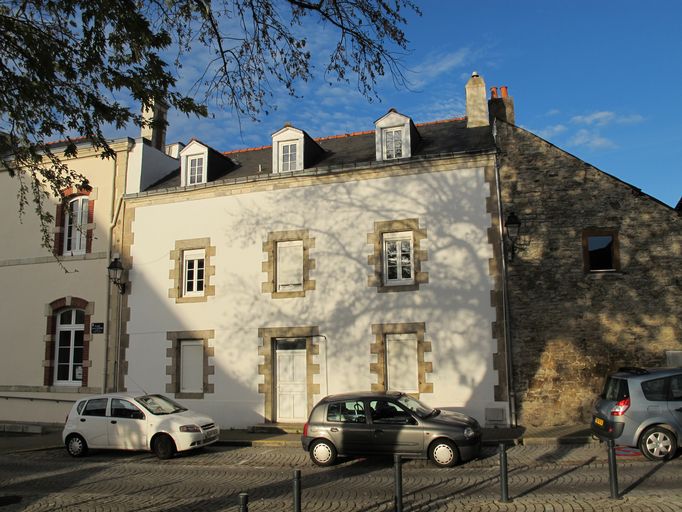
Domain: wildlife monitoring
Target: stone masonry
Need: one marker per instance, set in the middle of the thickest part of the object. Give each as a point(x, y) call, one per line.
point(570, 327)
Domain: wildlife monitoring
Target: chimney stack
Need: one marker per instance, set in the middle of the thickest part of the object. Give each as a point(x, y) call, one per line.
point(154, 125)
point(503, 107)
point(476, 102)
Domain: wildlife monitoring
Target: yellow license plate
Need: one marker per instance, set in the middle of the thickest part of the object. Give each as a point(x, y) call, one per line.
point(599, 421)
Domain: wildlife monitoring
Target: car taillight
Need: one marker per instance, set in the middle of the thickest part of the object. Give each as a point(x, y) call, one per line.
point(305, 429)
point(620, 407)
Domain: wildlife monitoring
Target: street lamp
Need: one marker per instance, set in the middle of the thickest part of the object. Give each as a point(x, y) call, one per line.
point(512, 227)
point(115, 270)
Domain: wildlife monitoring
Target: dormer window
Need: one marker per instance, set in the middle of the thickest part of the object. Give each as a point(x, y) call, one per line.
point(393, 143)
point(195, 171)
point(396, 136)
point(288, 156)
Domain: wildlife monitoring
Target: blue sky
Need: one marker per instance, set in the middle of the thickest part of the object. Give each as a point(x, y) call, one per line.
point(598, 79)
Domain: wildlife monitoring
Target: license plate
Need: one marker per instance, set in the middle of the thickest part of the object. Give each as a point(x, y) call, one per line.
point(599, 422)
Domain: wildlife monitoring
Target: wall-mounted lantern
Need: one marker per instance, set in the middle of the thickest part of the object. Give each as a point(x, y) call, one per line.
point(115, 270)
point(512, 227)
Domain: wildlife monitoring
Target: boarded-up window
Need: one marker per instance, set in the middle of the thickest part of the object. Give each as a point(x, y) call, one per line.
point(191, 366)
point(290, 266)
point(402, 363)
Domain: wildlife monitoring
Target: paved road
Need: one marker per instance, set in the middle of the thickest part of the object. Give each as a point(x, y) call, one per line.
point(541, 478)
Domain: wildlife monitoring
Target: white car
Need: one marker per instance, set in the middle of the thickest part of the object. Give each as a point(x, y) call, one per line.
point(136, 422)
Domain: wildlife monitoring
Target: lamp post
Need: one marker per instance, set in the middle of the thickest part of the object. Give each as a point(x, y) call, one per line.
point(115, 270)
point(512, 227)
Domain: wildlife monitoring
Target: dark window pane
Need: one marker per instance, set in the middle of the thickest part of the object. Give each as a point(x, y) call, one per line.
point(616, 389)
point(80, 316)
point(78, 338)
point(63, 372)
point(96, 407)
point(65, 317)
point(600, 250)
point(64, 339)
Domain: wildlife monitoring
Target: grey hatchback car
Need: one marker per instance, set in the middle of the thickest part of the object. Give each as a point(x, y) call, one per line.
point(387, 423)
point(642, 408)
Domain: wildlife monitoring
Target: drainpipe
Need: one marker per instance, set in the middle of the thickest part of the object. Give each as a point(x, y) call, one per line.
point(511, 394)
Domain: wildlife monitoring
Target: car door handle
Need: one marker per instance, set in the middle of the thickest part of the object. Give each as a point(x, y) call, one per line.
point(113, 422)
point(334, 429)
point(679, 409)
point(83, 419)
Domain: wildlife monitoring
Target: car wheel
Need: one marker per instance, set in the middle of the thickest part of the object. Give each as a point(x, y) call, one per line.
point(76, 445)
point(658, 443)
point(323, 453)
point(443, 453)
point(164, 447)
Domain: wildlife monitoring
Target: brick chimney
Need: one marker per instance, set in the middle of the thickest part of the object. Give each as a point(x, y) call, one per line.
point(476, 103)
point(501, 107)
point(156, 131)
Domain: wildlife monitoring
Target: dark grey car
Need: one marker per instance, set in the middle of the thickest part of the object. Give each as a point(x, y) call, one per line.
point(642, 408)
point(387, 423)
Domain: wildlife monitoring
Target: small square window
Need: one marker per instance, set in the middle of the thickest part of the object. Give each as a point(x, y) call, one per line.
point(288, 157)
point(193, 272)
point(398, 258)
point(600, 251)
point(195, 171)
point(290, 266)
point(393, 143)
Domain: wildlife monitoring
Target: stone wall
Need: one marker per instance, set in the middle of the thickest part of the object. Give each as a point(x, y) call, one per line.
point(570, 327)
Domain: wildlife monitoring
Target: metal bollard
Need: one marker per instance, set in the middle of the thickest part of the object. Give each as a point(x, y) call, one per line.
point(297, 490)
point(613, 471)
point(243, 502)
point(398, 499)
point(504, 485)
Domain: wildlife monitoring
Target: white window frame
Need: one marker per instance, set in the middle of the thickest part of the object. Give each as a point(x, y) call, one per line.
point(189, 258)
point(76, 226)
point(390, 135)
point(71, 329)
point(397, 237)
point(196, 169)
point(289, 164)
point(187, 359)
point(402, 360)
point(283, 286)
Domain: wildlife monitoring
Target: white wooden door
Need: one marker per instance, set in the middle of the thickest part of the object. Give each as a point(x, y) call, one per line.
point(292, 406)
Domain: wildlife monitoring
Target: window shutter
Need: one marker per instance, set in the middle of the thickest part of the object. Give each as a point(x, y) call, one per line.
point(290, 266)
point(402, 363)
point(191, 366)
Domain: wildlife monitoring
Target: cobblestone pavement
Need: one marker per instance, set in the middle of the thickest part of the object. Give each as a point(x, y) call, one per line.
point(541, 478)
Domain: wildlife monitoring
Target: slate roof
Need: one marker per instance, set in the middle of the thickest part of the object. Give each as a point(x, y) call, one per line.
point(437, 138)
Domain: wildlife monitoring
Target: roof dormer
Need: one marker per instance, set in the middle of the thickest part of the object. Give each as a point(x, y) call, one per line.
point(293, 150)
point(199, 163)
point(396, 136)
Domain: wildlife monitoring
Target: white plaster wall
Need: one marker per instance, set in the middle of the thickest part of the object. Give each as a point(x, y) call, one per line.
point(454, 305)
point(147, 165)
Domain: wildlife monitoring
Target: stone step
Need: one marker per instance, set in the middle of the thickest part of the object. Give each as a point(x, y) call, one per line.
point(277, 428)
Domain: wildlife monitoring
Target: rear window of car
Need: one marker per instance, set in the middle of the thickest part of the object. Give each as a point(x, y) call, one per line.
point(347, 412)
point(656, 390)
point(616, 389)
point(96, 407)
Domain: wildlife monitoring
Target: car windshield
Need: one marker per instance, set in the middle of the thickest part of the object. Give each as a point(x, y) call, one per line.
point(414, 405)
point(158, 404)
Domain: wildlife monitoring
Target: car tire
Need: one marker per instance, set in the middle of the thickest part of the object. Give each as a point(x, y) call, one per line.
point(322, 452)
point(76, 445)
point(163, 447)
point(443, 453)
point(658, 443)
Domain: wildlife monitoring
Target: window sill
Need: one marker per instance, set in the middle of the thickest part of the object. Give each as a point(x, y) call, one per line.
point(604, 274)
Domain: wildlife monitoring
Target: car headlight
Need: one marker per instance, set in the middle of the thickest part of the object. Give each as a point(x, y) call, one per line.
point(469, 432)
point(190, 428)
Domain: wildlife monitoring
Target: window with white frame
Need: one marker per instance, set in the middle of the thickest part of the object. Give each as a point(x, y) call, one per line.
point(191, 366)
point(76, 226)
point(398, 258)
point(193, 272)
point(69, 350)
point(393, 143)
point(195, 170)
point(402, 362)
point(287, 156)
point(289, 271)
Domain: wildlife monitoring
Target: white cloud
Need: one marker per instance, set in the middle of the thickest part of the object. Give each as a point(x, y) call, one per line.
point(591, 139)
point(604, 118)
point(551, 131)
point(435, 65)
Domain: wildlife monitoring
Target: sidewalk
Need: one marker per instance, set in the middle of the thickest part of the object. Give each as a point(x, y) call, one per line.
point(50, 438)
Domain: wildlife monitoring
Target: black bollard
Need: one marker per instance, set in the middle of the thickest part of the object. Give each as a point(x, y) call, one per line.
point(613, 471)
point(504, 485)
point(243, 502)
point(398, 499)
point(297, 490)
